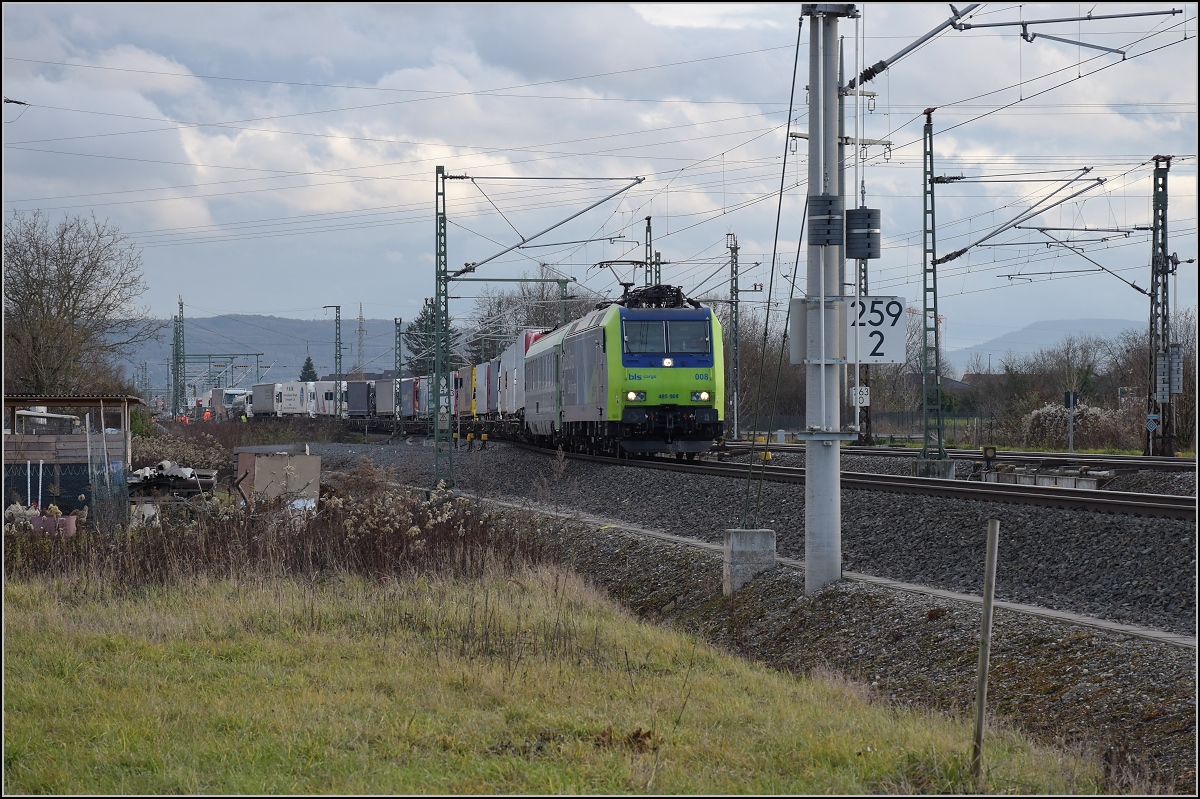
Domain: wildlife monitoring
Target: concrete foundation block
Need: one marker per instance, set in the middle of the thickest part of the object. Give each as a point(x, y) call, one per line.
point(942, 469)
point(747, 552)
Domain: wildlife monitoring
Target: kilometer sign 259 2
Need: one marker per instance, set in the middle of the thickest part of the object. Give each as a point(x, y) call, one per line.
point(877, 323)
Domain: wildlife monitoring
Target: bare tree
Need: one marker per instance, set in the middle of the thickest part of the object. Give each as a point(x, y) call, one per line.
point(69, 304)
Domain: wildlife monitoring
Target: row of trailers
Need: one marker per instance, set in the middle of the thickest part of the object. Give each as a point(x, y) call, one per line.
point(493, 390)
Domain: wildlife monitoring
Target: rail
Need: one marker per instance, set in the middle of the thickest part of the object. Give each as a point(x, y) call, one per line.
point(1163, 506)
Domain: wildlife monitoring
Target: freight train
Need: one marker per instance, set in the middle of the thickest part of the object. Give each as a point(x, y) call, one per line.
point(644, 374)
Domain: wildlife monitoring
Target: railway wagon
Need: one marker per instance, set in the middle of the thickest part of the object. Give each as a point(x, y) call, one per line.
point(493, 406)
point(511, 380)
point(636, 378)
point(463, 393)
point(485, 401)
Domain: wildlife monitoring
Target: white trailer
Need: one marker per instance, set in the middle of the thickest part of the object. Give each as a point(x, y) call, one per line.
point(268, 398)
point(326, 397)
point(511, 380)
point(298, 399)
point(387, 399)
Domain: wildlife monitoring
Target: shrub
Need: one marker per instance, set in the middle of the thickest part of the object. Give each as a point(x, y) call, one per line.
point(363, 524)
point(1095, 428)
point(200, 451)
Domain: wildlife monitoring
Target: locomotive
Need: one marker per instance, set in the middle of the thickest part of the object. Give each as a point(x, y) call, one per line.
point(640, 375)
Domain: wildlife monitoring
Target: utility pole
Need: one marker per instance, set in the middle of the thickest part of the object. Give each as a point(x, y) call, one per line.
point(178, 361)
point(1166, 360)
point(735, 292)
point(823, 363)
point(932, 447)
point(337, 361)
point(361, 367)
point(399, 347)
point(442, 396)
point(735, 372)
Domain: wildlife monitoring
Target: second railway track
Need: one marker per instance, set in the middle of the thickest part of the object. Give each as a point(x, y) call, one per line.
point(1137, 504)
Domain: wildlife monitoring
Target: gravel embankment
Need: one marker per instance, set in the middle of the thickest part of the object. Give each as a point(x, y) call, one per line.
point(1128, 700)
point(1128, 569)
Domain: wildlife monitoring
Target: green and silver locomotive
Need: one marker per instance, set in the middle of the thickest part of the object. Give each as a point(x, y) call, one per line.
point(644, 374)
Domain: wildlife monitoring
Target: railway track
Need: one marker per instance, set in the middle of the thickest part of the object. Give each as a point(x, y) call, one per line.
point(1135, 504)
point(1040, 459)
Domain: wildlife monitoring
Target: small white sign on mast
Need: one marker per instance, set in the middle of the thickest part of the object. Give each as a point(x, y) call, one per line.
point(879, 327)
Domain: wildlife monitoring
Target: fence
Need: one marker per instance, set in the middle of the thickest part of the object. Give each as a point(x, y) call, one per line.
point(970, 432)
point(70, 486)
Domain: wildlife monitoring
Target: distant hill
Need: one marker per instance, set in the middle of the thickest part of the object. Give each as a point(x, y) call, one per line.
point(284, 344)
point(1038, 336)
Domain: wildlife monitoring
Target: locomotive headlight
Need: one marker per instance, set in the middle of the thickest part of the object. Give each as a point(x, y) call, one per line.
point(668, 361)
point(700, 396)
point(636, 396)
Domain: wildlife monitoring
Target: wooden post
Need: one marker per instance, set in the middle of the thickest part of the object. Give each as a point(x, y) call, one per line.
point(985, 644)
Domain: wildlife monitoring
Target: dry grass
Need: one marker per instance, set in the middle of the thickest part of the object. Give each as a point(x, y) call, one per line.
point(516, 680)
point(408, 642)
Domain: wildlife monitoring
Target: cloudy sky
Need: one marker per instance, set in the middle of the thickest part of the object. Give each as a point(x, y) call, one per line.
point(275, 159)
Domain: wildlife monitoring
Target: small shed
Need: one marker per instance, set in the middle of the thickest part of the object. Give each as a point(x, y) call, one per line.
point(55, 445)
point(279, 470)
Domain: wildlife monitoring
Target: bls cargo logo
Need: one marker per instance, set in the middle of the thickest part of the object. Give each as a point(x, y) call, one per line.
point(636, 376)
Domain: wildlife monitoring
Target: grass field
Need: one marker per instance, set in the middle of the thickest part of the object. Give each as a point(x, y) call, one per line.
point(397, 642)
point(525, 682)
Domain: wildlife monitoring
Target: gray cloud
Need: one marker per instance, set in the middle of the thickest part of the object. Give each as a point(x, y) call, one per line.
point(309, 194)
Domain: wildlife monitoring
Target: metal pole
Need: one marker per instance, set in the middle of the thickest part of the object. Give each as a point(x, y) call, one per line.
point(735, 374)
point(649, 255)
point(822, 489)
point(104, 448)
point(933, 422)
point(442, 394)
point(985, 644)
point(337, 363)
point(399, 347)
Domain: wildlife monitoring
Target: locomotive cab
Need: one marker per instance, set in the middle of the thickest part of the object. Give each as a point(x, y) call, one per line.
point(671, 379)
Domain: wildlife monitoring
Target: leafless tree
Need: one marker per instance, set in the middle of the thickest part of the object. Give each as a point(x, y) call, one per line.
point(69, 304)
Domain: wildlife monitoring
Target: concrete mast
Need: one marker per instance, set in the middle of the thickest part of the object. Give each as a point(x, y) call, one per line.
point(823, 362)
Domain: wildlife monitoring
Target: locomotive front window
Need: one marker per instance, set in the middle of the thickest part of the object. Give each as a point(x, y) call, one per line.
point(688, 335)
point(643, 336)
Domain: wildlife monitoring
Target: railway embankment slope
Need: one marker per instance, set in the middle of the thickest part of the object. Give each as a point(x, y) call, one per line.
point(1130, 701)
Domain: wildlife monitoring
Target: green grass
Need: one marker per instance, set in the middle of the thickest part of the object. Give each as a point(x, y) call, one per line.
point(517, 682)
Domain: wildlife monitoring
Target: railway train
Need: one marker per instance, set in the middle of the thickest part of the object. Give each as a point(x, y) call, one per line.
point(644, 374)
